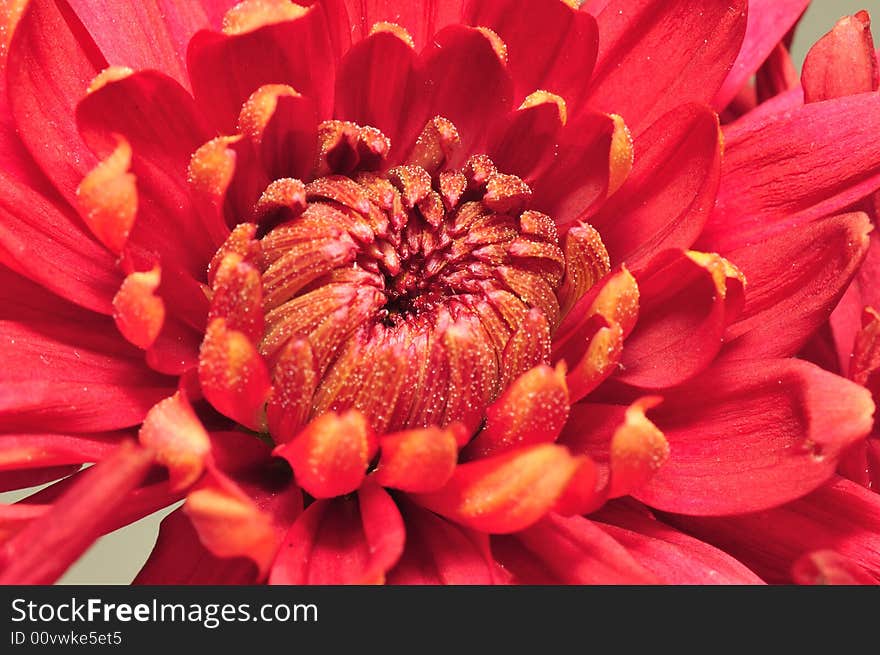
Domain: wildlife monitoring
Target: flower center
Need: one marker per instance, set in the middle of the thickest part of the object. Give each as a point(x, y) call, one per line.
point(406, 292)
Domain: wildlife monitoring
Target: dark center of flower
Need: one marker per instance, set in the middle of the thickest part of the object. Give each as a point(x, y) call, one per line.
point(410, 289)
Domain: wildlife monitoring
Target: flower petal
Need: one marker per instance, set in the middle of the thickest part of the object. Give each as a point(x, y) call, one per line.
point(841, 516)
point(342, 541)
point(553, 46)
point(794, 281)
point(440, 552)
point(667, 197)
point(51, 61)
point(421, 20)
point(163, 125)
point(656, 54)
point(233, 376)
point(180, 558)
point(592, 159)
point(49, 544)
point(843, 62)
point(32, 451)
point(505, 493)
point(745, 436)
point(786, 170)
point(571, 550)
point(331, 454)
point(686, 300)
point(169, 24)
point(767, 24)
point(373, 83)
point(226, 68)
point(467, 83)
point(672, 556)
point(233, 523)
point(827, 567)
point(73, 377)
point(418, 460)
point(174, 433)
point(531, 410)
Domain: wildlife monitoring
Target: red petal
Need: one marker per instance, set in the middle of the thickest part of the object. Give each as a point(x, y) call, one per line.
point(521, 143)
point(295, 379)
point(667, 197)
point(786, 170)
point(46, 242)
point(672, 556)
point(284, 123)
point(180, 558)
point(174, 433)
point(169, 24)
point(107, 199)
point(12, 480)
point(590, 339)
point(794, 280)
point(841, 516)
point(372, 84)
point(417, 460)
point(138, 312)
point(593, 158)
point(238, 297)
point(686, 300)
point(341, 541)
point(827, 567)
point(466, 81)
point(440, 552)
point(767, 24)
point(73, 378)
point(570, 550)
point(421, 20)
point(625, 446)
point(49, 544)
point(51, 61)
point(232, 523)
point(331, 454)
point(233, 376)
point(656, 54)
point(505, 493)
point(531, 410)
point(843, 62)
point(164, 127)
point(226, 68)
point(552, 45)
point(30, 451)
point(745, 436)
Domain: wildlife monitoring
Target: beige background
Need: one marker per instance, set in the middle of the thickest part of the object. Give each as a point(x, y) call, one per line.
point(116, 558)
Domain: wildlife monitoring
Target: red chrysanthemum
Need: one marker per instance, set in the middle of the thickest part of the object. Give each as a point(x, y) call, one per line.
point(454, 291)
